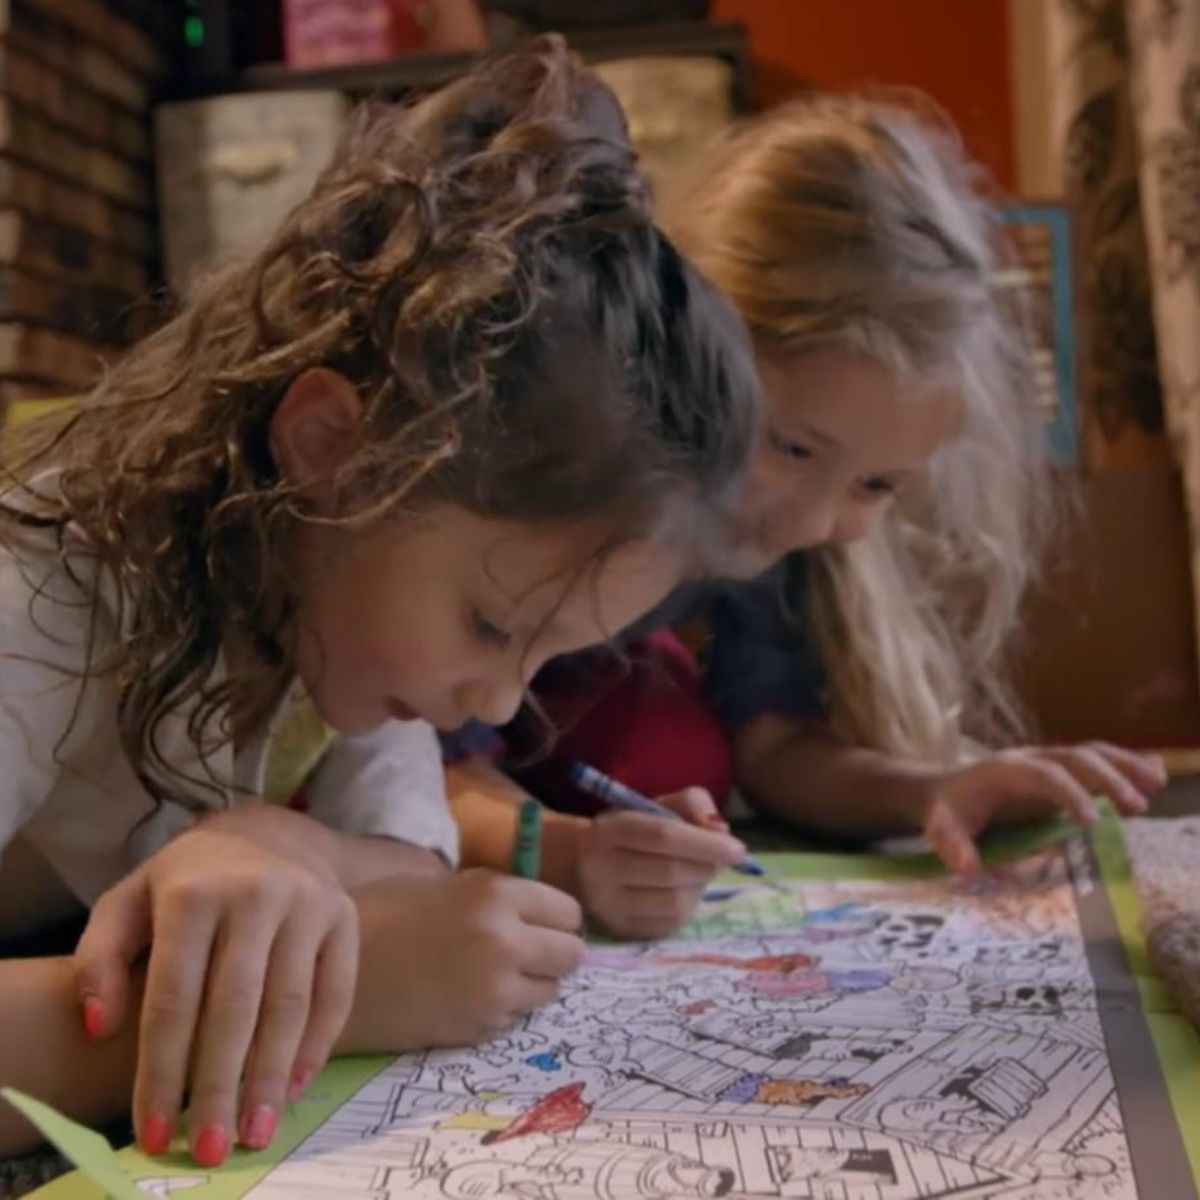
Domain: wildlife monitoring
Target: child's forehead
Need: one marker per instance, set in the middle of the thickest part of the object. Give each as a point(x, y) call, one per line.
point(852, 400)
point(578, 582)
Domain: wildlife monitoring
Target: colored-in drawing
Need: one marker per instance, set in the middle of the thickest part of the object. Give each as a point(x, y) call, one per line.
point(559, 1112)
point(819, 983)
point(775, 963)
point(861, 1040)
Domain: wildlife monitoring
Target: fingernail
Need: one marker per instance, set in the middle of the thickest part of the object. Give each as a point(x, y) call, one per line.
point(154, 1134)
point(715, 821)
point(747, 866)
point(301, 1078)
point(211, 1146)
point(258, 1127)
point(93, 1017)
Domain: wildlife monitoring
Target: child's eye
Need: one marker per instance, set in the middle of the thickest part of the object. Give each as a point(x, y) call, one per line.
point(879, 486)
point(783, 445)
point(487, 632)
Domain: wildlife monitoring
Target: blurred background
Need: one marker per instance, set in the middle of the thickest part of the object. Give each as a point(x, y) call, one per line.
point(140, 140)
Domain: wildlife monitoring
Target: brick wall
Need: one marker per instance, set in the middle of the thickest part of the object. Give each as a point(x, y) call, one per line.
point(78, 246)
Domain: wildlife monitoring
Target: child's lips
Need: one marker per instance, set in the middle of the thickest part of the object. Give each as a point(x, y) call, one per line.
point(401, 711)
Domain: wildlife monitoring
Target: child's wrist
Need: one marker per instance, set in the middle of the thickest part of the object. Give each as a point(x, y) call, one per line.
point(289, 834)
point(564, 840)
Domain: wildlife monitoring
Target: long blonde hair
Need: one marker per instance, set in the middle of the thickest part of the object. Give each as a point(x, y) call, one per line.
point(855, 223)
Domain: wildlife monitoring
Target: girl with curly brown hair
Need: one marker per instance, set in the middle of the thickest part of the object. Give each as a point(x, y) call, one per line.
point(467, 410)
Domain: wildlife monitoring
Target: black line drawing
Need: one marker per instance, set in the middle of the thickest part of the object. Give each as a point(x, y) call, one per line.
point(857, 1040)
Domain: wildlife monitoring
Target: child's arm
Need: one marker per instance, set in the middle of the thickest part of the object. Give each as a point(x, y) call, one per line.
point(798, 771)
point(384, 792)
point(447, 960)
point(45, 1052)
point(354, 859)
point(484, 803)
point(637, 876)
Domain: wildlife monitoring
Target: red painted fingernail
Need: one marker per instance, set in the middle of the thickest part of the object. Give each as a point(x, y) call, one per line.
point(716, 821)
point(154, 1134)
point(258, 1127)
point(301, 1078)
point(93, 1018)
point(211, 1146)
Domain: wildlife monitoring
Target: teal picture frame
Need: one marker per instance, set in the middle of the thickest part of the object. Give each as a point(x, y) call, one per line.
point(1041, 237)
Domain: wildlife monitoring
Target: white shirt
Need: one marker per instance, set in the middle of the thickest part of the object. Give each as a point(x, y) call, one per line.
point(69, 798)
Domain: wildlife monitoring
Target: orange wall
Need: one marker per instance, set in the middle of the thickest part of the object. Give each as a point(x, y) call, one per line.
point(956, 50)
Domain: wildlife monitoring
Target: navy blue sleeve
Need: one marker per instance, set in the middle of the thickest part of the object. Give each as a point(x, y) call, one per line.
point(472, 740)
point(758, 662)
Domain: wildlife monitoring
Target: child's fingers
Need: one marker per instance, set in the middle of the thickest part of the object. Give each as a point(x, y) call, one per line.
point(1100, 776)
point(226, 1029)
point(952, 842)
point(696, 805)
point(552, 954)
point(283, 1015)
point(634, 869)
point(118, 929)
point(1147, 772)
point(656, 912)
point(530, 993)
point(333, 987)
point(184, 931)
point(673, 839)
point(1049, 783)
point(539, 904)
point(663, 904)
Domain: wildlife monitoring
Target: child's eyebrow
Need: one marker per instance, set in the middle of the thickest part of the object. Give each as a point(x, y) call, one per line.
point(803, 429)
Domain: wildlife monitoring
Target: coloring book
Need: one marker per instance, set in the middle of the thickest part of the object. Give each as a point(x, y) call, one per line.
point(857, 1029)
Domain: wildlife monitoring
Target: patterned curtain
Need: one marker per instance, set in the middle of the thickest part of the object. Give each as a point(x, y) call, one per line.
point(1127, 122)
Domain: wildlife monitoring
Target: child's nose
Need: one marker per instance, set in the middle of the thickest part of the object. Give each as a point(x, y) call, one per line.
point(815, 523)
point(853, 525)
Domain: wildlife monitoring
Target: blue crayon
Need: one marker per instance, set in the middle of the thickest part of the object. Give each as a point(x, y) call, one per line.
point(616, 795)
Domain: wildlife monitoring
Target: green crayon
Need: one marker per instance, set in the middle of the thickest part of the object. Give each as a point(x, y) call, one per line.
point(527, 846)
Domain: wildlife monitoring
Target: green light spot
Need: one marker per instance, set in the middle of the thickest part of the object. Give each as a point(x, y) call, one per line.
point(193, 31)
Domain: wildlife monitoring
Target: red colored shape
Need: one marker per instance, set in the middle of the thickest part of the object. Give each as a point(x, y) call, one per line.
point(559, 1111)
point(776, 963)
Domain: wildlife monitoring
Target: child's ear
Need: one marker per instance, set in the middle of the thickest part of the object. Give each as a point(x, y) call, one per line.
point(313, 425)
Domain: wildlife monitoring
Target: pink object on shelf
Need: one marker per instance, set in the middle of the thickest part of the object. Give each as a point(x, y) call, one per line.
point(325, 33)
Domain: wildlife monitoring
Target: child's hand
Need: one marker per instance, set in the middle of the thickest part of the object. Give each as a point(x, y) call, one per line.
point(250, 980)
point(642, 876)
point(1022, 784)
point(458, 959)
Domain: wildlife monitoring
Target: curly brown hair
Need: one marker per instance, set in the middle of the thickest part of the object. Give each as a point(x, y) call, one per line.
point(481, 265)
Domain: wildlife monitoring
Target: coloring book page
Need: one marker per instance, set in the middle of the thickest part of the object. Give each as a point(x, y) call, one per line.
point(820, 1038)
